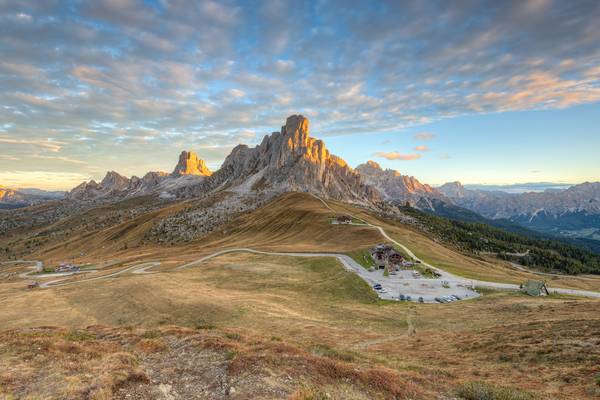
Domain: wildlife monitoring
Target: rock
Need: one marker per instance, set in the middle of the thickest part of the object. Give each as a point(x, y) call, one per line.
point(190, 170)
point(291, 160)
point(394, 186)
point(190, 164)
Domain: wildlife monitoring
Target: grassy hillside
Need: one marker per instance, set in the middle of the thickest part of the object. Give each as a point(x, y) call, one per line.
point(545, 254)
point(291, 222)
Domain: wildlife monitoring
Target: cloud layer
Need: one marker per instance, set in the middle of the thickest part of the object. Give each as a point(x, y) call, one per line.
point(84, 83)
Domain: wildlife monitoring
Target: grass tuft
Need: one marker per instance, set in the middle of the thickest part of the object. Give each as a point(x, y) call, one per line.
point(486, 391)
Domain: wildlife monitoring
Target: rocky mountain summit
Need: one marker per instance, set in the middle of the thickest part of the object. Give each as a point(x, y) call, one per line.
point(290, 160)
point(285, 161)
point(393, 186)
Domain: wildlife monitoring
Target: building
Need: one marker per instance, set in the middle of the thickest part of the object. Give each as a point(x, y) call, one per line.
point(385, 256)
point(535, 288)
point(344, 219)
point(65, 267)
point(341, 220)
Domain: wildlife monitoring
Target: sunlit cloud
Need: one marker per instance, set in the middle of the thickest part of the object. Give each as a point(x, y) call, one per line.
point(424, 136)
point(53, 146)
point(422, 148)
point(398, 156)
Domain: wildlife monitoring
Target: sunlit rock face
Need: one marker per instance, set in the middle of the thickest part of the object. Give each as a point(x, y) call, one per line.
point(190, 164)
point(7, 194)
point(291, 160)
point(394, 186)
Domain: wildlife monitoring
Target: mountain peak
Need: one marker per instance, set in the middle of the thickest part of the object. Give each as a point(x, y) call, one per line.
point(296, 124)
point(190, 164)
point(453, 189)
point(373, 164)
point(115, 181)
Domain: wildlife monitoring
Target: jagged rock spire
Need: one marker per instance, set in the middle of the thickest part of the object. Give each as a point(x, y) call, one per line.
point(190, 164)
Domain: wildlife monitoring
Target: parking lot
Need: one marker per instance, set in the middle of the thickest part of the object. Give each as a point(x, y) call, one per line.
point(405, 284)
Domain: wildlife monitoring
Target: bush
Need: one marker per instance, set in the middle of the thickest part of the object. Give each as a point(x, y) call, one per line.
point(79, 336)
point(486, 391)
point(233, 336)
point(309, 393)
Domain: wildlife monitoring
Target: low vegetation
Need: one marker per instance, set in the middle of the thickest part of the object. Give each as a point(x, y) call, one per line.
point(486, 391)
point(545, 254)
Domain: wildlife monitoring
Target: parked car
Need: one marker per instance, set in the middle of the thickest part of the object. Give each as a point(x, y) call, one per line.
point(401, 297)
point(439, 300)
point(408, 298)
point(456, 297)
point(377, 286)
point(421, 300)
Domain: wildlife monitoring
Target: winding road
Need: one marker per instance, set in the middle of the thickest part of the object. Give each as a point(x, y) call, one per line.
point(427, 289)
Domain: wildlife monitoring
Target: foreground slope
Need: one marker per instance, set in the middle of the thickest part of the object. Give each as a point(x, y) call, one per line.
point(271, 327)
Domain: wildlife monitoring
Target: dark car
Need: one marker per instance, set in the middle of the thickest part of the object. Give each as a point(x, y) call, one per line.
point(421, 300)
point(401, 297)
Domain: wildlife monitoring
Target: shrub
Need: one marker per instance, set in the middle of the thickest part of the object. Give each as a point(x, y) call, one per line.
point(233, 336)
point(79, 336)
point(486, 391)
point(306, 393)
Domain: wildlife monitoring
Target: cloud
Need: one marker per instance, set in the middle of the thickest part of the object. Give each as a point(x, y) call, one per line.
point(424, 136)
point(397, 156)
point(422, 148)
point(60, 158)
point(48, 144)
point(162, 76)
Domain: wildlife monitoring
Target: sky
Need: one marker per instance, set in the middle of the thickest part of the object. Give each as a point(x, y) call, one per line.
point(495, 92)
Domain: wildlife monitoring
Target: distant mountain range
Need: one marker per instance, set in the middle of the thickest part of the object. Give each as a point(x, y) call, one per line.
point(520, 187)
point(189, 171)
point(572, 212)
point(17, 198)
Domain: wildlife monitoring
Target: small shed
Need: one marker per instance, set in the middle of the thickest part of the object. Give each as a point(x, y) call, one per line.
point(344, 219)
point(535, 288)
